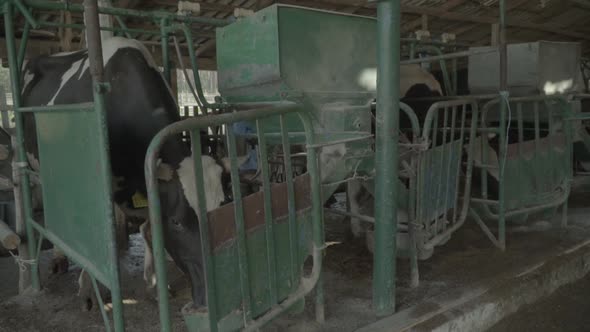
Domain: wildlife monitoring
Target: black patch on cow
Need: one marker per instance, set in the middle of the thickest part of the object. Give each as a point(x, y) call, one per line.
point(138, 105)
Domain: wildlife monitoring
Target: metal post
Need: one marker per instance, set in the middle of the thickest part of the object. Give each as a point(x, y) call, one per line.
point(96, 71)
point(165, 51)
point(24, 183)
point(503, 108)
point(388, 44)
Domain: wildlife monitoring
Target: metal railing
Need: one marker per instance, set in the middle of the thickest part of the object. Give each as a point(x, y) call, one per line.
point(278, 303)
point(532, 135)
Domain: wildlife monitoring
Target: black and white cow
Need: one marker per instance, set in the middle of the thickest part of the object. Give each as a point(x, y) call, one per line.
point(139, 104)
point(415, 83)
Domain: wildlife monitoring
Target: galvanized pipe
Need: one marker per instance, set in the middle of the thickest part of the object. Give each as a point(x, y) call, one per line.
point(50, 5)
point(448, 56)
point(95, 59)
point(388, 59)
point(24, 182)
point(503, 108)
point(23, 45)
point(152, 155)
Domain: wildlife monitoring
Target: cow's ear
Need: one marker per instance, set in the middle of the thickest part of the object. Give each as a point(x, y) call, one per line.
point(227, 165)
point(165, 172)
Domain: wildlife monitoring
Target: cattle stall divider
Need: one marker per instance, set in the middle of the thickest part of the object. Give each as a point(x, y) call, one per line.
point(78, 210)
point(278, 283)
point(533, 168)
point(438, 206)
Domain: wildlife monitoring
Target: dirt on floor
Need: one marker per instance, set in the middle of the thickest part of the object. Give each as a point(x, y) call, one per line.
point(468, 258)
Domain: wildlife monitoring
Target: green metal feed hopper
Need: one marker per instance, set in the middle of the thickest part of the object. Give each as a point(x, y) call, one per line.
point(316, 58)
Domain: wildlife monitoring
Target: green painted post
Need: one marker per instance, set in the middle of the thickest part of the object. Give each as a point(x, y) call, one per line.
point(503, 109)
point(23, 45)
point(20, 138)
point(268, 222)
point(388, 43)
point(165, 51)
point(96, 71)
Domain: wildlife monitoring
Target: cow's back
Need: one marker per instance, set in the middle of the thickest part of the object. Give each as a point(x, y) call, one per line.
point(138, 104)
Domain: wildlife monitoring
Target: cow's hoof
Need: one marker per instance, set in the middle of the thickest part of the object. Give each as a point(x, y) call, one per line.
point(59, 265)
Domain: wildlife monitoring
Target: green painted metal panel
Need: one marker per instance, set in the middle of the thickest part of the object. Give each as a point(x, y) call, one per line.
point(314, 57)
point(296, 51)
point(437, 186)
point(226, 267)
point(73, 205)
point(534, 178)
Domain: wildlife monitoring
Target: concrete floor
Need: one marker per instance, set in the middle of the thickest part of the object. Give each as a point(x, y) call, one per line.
point(566, 310)
point(462, 268)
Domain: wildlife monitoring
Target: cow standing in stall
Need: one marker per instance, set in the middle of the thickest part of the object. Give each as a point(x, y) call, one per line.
point(415, 83)
point(138, 105)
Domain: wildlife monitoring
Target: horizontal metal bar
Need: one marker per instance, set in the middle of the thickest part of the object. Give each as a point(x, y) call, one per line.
point(82, 107)
point(449, 56)
point(71, 253)
point(51, 5)
point(344, 140)
point(433, 42)
point(229, 118)
point(82, 27)
point(360, 217)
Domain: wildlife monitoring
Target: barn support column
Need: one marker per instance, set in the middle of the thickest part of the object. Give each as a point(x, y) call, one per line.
point(388, 62)
point(96, 68)
point(504, 107)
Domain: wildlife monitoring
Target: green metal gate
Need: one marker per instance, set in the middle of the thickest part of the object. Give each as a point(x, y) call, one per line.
point(533, 175)
point(262, 239)
point(75, 173)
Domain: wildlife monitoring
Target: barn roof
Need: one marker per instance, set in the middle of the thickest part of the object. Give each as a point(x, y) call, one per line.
point(469, 20)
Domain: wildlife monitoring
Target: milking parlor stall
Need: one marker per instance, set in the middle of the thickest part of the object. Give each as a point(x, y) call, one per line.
point(361, 165)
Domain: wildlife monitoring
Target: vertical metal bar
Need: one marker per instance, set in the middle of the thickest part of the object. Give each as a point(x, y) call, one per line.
point(455, 77)
point(288, 174)
point(552, 143)
point(103, 313)
point(388, 44)
point(23, 45)
point(520, 128)
point(441, 182)
point(268, 220)
point(25, 186)
point(165, 50)
point(412, 221)
point(316, 212)
point(96, 71)
point(537, 147)
point(501, 168)
point(208, 266)
point(461, 138)
point(484, 158)
point(240, 227)
point(503, 106)
point(448, 184)
point(568, 132)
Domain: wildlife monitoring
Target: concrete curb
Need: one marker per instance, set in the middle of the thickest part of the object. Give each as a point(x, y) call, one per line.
point(483, 305)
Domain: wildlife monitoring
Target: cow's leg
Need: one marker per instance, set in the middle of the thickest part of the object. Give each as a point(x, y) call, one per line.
point(121, 228)
point(354, 189)
point(86, 292)
point(196, 275)
point(149, 274)
point(59, 263)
